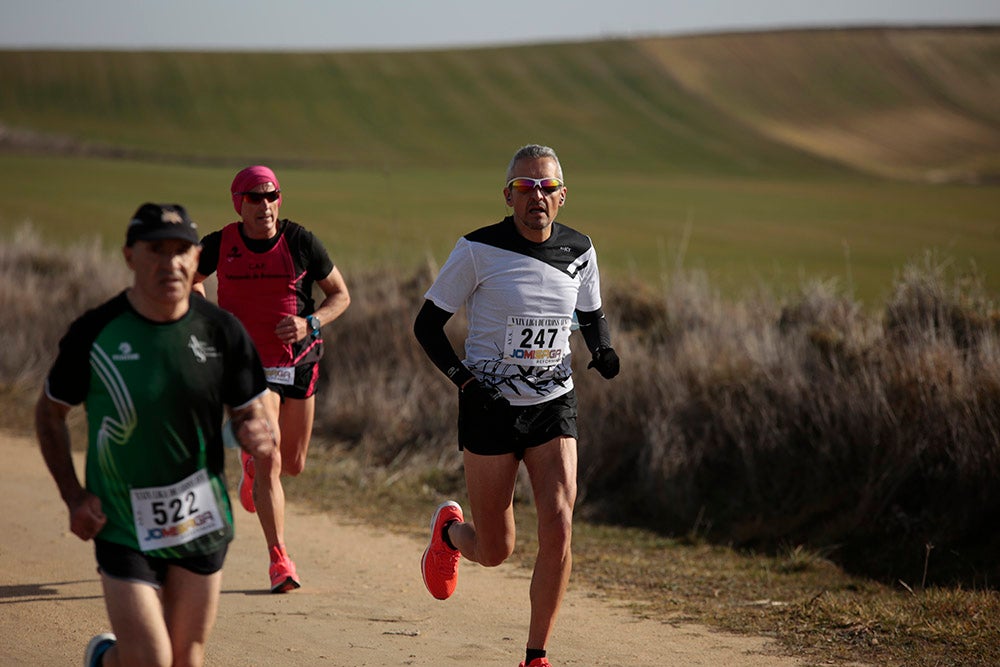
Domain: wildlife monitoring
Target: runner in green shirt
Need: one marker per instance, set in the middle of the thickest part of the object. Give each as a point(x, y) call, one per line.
point(157, 368)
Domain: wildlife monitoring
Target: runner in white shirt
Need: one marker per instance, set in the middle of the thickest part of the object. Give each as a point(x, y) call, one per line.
point(522, 281)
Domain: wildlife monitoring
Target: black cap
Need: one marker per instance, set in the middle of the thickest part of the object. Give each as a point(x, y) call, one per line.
point(161, 221)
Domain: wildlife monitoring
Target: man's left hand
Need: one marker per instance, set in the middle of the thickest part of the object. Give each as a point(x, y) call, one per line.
point(606, 362)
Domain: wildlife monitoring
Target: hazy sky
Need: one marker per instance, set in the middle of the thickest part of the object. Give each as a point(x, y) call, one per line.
point(402, 24)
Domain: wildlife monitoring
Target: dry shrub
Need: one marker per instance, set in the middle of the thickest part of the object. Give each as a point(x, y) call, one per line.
point(42, 289)
point(380, 396)
point(765, 424)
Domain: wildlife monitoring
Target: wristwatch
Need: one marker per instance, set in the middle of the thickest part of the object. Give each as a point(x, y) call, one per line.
point(313, 323)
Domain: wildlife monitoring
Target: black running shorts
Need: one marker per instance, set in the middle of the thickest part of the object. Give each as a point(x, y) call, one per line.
point(526, 426)
point(304, 386)
point(120, 562)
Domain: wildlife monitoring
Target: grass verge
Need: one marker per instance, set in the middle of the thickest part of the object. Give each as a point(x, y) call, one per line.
point(809, 607)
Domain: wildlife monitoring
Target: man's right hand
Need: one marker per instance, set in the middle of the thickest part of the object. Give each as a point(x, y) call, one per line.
point(256, 436)
point(486, 398)
point(86, 518)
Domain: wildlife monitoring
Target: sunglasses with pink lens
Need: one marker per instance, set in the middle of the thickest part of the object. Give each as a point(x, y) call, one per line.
point(524, 184)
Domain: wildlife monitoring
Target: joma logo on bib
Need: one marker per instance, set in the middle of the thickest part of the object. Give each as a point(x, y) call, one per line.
point(536, 341)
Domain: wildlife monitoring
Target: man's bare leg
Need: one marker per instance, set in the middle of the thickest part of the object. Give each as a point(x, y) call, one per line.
point(552, 468)
point(488, 539)
point(296, 422)
point(268, 494)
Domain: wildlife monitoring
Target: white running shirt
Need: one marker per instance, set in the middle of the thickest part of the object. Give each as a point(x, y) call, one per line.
point(520, 298)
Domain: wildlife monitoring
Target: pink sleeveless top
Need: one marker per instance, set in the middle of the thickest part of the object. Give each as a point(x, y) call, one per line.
point(259, 289)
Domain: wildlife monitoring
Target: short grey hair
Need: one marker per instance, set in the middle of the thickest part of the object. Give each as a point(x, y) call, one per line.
point(533, 152)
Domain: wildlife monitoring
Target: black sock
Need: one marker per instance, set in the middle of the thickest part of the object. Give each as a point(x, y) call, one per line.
point(533, 654)
point(444, 534)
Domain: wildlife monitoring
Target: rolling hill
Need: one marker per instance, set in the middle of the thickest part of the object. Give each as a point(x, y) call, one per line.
point(913, 104)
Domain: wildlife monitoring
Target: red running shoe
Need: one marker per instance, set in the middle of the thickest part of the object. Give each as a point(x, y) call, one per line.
point(284, 578)
point(537, 662)
point(246, 483)
point(440, 562)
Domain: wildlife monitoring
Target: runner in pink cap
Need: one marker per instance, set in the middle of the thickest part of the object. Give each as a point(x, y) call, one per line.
point(250, 178)
point(267, 267)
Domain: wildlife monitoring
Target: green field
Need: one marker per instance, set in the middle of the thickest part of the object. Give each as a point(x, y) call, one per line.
point(762, 159)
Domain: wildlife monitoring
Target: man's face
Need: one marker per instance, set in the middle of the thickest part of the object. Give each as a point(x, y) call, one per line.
point(535, 209)
point(164, 269)
point(260, 218)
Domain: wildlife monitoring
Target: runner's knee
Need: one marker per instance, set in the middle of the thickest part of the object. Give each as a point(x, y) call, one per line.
point(293, 465)
point(556, 531)
point(491, 553)
point(269, 465)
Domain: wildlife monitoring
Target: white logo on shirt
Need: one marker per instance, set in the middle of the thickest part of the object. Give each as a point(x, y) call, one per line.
point(125, 353)
point(201, 350)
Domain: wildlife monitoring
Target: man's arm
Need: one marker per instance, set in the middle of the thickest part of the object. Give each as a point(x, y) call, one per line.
point(293, 328)
point(597, 335)
point(429, 330)
point(86, 518)
point(337, 297)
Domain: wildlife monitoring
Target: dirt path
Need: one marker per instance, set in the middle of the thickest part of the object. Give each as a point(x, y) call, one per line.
point(363, 602)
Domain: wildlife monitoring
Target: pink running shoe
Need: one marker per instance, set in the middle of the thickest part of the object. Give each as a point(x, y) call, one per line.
point(284, 578)
point(439, 563)
point(246, 483)
point(537, 662)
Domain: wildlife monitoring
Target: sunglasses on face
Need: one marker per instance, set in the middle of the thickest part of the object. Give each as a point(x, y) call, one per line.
point(524, 184)
point(258, 197)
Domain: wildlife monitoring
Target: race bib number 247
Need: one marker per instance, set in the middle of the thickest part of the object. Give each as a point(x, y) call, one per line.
point(536, 341)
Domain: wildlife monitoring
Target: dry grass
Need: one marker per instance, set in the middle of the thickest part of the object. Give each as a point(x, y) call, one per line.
point(782, 465)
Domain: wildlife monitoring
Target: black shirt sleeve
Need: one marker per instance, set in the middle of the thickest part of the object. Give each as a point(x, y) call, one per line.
point(209, 259)
point(429, 330)
point(595, 329)
point(244, 374)
point(318, 263)
point(69, 378)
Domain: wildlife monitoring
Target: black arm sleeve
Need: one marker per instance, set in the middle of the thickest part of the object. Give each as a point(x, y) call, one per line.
point(429, 330)
point(209, 259)
point(594, 328)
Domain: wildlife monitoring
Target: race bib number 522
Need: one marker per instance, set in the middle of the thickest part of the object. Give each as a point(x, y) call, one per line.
point(536, 341)
point(166, 516)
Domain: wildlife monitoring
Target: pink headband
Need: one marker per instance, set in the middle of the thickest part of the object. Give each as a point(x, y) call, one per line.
point(250, 178)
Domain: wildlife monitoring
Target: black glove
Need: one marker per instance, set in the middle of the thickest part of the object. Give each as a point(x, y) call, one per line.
point(606, 362)
point(487, 400)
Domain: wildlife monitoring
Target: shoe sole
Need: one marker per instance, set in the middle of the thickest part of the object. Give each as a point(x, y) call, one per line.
point(288, 584)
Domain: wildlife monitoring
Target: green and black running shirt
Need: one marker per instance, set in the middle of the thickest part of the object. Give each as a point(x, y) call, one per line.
point(155, 396)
